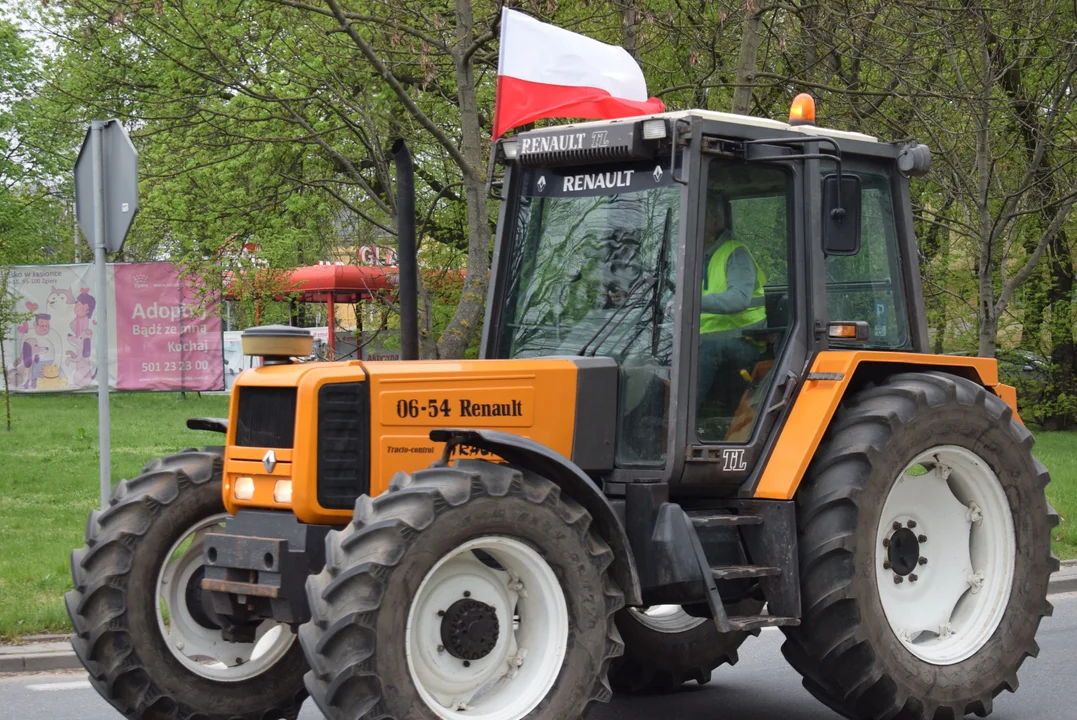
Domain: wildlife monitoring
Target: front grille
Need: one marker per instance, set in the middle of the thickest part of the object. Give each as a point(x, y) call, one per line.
point(343, 443)
point(266, 417)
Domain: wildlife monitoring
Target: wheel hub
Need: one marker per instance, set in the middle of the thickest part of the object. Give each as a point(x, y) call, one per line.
point(469, 629)
point(197, 603)
point(903, 552)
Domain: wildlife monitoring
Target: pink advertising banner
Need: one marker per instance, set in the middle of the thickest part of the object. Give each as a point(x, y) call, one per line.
point(161, 336)
point(167, 338)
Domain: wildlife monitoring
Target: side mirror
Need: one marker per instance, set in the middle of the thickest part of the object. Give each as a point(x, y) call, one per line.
point(841, 215)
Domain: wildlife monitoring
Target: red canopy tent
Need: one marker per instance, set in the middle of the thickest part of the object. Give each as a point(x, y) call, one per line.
point(331, 284)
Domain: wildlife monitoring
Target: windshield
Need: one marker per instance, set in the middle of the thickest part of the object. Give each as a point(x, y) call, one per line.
point(591, 269)
point(584, 264)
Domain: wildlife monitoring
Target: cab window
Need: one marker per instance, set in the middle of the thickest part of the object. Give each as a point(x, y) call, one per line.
point(868, 286)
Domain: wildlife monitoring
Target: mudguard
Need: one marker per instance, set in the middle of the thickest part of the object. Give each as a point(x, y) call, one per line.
point(555, 467)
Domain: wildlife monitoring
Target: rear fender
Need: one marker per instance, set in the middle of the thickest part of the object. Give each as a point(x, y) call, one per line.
point(558, 469)
point(821, 392)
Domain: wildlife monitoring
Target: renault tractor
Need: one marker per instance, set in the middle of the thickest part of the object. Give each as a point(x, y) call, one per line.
point(705, 405)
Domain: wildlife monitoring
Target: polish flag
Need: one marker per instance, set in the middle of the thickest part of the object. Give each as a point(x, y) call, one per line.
point(548, 72)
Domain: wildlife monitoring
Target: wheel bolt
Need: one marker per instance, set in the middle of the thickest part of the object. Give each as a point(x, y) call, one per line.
point(922, 538)
point(897, 525)
point(913, 578)
point(441, 648)
point(886, 564)
point(441, 613)
point(898, 579)
point(467, 593)
point(886, 542)
point(912, 524)
point(922, 561)
point(467, 663)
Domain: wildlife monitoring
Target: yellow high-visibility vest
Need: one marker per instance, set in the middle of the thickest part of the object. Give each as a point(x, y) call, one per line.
point(716, 282)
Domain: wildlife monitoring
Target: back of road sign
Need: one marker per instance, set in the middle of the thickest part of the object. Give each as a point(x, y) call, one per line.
point(120, 172)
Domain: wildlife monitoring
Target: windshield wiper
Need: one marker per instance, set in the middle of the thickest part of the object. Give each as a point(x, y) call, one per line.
point(620, 316)
point(659, 277)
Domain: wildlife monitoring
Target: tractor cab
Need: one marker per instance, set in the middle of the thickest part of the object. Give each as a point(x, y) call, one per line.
point(710, 255)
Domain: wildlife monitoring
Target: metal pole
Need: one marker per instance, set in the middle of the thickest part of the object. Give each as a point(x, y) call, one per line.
point(97, 128)
point(75, 230)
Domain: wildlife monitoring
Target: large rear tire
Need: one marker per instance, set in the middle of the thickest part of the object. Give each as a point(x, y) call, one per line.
point(475, 590)
point(151, 651)
point(666, 647)
point(925, 553)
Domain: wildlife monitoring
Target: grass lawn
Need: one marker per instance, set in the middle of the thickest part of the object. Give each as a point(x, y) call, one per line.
point(48, 485)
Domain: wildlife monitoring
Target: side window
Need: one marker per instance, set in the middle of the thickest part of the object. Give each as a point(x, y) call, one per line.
point(868, 286)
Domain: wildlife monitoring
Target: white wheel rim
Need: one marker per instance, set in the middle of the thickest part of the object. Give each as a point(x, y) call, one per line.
point(669, 619)
point(951, 604)
point(203, 650)
point(532, 620)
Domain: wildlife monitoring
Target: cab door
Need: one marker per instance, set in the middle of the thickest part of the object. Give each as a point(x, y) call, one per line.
point(749, 339)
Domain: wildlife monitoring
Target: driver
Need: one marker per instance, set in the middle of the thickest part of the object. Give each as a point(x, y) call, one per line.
point(732, 300)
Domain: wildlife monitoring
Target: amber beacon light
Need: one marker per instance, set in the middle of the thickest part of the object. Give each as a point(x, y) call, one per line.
point(802, 111)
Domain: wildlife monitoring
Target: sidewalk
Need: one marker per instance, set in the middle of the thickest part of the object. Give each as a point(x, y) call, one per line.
point(44, 653)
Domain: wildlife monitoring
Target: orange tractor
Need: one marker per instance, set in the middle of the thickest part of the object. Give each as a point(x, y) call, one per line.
point(704, 406)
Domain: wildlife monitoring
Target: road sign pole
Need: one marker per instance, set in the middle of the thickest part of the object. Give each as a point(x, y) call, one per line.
point(97, 128)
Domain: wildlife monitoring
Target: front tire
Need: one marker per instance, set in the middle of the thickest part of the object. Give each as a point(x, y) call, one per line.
point(473, 590)
point(148, 651)
point(925, 553)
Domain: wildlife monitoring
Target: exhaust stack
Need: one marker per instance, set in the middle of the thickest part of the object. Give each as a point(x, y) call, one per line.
point(407, 252)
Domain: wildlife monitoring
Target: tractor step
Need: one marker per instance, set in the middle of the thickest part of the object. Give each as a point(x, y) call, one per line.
point(707, 519)
point(739, 572)
point(747, 623)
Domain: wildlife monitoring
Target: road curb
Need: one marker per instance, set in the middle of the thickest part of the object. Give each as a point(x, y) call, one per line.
point(41, 656)
point(1065, 580)
point(47, 653)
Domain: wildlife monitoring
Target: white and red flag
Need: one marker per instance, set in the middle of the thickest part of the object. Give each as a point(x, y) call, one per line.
point(548, 72)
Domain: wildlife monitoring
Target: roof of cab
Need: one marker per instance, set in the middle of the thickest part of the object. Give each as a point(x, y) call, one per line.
point(738, 120)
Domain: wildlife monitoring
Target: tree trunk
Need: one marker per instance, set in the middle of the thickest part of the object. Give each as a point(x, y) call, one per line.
point(461, 329)
point(747, 58)
point(630, 27)
point(1064, 350)
point(3, 371)
point(988, 331)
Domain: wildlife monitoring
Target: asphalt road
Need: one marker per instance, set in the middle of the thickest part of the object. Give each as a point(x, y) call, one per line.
point(760, 687)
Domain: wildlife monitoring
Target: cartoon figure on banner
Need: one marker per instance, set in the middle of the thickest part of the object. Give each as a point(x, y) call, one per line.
point(59, 306)
point(40, 353)
point(79, 338)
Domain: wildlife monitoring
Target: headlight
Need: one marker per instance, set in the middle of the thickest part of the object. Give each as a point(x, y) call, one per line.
point(654, 129)
point(282, 492)
point(244, 488)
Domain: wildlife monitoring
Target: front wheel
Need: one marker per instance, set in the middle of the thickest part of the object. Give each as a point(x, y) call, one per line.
point(152, 646)
point(472, 591)
point(925, 553)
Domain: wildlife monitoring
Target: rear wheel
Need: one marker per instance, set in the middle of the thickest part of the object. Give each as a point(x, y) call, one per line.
point(925, 553)
point(477, 591)
point(152, 647)
point(666, 647)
